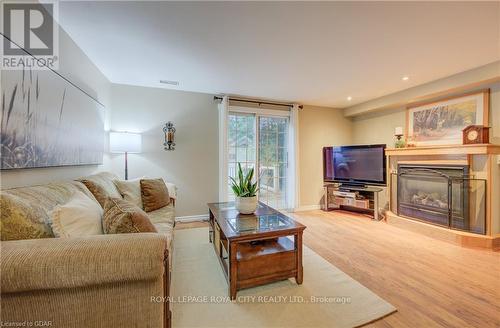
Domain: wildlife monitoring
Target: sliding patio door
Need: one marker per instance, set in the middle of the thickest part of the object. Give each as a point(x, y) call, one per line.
point(242, 145)
point(273, 161)
point(260, 141)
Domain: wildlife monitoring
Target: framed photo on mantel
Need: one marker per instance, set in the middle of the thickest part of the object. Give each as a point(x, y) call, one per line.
point(441, 122)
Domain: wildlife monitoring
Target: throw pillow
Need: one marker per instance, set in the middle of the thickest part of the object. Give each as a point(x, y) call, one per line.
point(97, 190)
point(154, 194)
point(130, 190)
point(20, 219)
point(80, 216)
point(101, 186)
point(121, 216)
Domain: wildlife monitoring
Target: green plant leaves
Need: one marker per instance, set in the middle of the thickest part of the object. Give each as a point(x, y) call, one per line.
point(243, 187)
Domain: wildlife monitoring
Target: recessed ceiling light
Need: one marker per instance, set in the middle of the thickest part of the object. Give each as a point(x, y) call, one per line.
point(349, 98)
point(405, 78)
point(169, 82)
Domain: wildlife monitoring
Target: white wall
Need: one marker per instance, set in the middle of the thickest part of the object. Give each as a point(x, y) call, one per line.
point(77, 67)
point(193, 165)
point(378, 128)
point(318, 127)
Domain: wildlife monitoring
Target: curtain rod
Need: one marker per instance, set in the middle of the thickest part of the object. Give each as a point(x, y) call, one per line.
point(218, 98)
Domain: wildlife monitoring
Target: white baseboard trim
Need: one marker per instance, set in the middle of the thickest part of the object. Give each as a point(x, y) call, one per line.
point(307, 208)
point(191, 218)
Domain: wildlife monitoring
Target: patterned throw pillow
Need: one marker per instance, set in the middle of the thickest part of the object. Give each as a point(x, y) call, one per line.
point(154, 194)
point(21, 219)
point(121, 216)
point(101, 186)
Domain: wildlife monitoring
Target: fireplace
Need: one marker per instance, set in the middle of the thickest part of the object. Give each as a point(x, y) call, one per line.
point(438, 194)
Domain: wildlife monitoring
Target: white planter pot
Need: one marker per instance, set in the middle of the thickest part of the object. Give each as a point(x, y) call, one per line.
point(246, 205)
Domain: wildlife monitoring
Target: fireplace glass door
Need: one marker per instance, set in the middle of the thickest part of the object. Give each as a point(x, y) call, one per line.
point(441, 195)
point(445, 196)
point(424, 194)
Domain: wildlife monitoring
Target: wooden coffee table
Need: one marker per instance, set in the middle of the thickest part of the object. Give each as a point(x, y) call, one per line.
point(255, 249)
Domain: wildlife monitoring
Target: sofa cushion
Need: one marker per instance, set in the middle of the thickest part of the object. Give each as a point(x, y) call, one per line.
point(130, 190)
point(154, 194)
point(101, 185)
point(121, 216)
point(164, 221)
point(165, 229)
point(165, 214)
point(81, 216)
point(24, 212)
point(172, 190)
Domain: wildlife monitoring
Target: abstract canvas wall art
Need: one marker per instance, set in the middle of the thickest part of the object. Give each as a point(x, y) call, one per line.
point(47, 121)
point(442, 122)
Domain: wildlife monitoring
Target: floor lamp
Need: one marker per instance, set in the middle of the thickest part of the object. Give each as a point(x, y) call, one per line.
point(125, 143)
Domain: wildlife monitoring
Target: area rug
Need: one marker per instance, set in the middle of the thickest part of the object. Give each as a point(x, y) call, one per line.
point(327, 298)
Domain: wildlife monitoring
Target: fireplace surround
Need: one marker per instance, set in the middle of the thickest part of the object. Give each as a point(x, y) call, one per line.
point(482, 185)
point(443, 195)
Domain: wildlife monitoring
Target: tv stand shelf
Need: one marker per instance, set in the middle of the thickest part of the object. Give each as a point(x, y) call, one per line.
point(351, 198)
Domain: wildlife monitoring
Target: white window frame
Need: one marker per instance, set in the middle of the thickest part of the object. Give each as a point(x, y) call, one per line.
point(293, 167)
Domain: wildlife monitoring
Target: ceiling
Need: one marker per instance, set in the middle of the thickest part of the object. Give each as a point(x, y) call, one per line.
point(312, 53)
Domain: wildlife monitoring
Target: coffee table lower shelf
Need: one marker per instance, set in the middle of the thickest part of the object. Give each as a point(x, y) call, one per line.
point(259, 262)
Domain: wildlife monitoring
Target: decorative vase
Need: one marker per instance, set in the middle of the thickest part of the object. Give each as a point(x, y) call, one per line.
point(246, 205)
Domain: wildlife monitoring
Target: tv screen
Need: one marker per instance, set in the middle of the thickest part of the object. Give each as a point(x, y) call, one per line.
point(363, 164)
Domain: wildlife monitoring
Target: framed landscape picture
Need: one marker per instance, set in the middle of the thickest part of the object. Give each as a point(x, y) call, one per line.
point(442, 122)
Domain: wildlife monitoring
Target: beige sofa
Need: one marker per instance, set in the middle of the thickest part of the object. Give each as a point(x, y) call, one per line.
point(97, 281)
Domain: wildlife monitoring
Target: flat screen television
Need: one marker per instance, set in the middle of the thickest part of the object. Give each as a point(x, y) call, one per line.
point(355, 165)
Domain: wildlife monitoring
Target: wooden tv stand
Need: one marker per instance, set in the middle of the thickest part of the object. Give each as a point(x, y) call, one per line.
point(365, 202)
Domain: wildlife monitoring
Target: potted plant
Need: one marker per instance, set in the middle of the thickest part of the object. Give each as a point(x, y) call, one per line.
point(245, 191)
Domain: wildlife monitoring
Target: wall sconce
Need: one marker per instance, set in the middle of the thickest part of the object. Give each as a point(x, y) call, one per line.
point(169, 132)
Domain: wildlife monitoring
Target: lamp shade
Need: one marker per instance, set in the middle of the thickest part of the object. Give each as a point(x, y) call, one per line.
point(125, 142)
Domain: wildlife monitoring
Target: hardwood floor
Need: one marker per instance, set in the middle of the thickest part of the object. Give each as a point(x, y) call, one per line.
point(432, 283)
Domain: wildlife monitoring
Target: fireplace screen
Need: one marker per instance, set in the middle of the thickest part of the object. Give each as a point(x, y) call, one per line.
point(442, 195)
